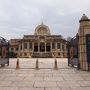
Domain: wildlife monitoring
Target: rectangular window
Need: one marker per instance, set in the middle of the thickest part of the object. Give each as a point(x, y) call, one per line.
point(58, 45)
point(62, 47)
point(58, 54)
point(25, 45)
point(30, 45)
point(53, 45)
point(16, 49)
point(21, 47)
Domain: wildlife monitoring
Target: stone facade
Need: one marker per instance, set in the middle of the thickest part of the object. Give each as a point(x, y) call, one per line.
point(41, 44)
point(84, 29)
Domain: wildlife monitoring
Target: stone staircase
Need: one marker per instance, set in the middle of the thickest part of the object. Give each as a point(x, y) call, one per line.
point(42, 55)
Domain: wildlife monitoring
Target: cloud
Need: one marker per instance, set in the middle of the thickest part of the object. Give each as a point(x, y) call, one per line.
point(19, 17)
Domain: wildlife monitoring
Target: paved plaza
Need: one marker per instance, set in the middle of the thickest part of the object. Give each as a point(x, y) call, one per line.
point(46, 78)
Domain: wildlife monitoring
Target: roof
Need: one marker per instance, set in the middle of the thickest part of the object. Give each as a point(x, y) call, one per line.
point(84, 18)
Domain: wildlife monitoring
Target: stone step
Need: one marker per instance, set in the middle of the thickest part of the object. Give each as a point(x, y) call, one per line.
point(42, 55)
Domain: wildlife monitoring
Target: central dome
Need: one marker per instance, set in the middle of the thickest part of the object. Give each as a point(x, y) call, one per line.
point(42, 30)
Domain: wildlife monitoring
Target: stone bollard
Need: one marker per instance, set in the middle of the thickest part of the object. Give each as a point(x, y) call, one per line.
point(17, 64)
point(55, 65)
point(37, 67)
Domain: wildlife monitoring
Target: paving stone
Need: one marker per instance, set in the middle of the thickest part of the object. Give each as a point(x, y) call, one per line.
point(53, 78)
point(20, 71)
point(73, 83)
point(84, 74)
point(65, 88)
point(65, 78)
point(26, 88)
point(52, 89)
point(5, 83)
point(76, 78)
point(80, 88)
point(47, 75)
point(86, 78)
point(84, 83)
point(8, 74)
point(31, 75)
point(13, 78)
point(62, 84)
point(22, 84)
point(33, 79)
point(9, 88)
point(43, 75)
point(57, 75)
point(1, 78)
point(39, 75)
point(45, 84)
point(6, 71)
point(20, 75)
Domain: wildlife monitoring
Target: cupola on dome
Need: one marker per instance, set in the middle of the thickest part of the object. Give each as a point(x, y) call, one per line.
point(42, 30)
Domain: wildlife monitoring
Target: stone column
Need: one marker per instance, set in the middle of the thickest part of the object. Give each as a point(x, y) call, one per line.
point(56, 45)
point(33, 46)
point(19, 47)
point(55, 49)
point(51, 46)
point(61, 50)
point(45, 46)
point(19, 50)
point(28, 46)
point(38, 46)
point(82, 52)
point(22, 48)
point(65, 50)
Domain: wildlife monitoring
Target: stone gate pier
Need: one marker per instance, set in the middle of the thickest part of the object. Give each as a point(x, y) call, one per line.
point(83, 52)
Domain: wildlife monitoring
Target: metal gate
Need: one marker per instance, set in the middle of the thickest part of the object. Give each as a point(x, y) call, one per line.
point(4, 52)
point(73, 52)
point(88, 49)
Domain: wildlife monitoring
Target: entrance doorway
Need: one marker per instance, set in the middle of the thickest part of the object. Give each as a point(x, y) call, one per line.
point(48, 47)
point(36, 47)
point(42, 47)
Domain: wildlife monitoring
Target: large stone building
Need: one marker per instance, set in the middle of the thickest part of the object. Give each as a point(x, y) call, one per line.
point(41, 44)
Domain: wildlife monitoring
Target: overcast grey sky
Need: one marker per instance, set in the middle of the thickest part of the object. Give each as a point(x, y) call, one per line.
point(20, 17)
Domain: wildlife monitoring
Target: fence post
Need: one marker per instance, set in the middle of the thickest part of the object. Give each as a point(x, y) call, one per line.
point(37, 67)
point(55, 65)
point(17, 64)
